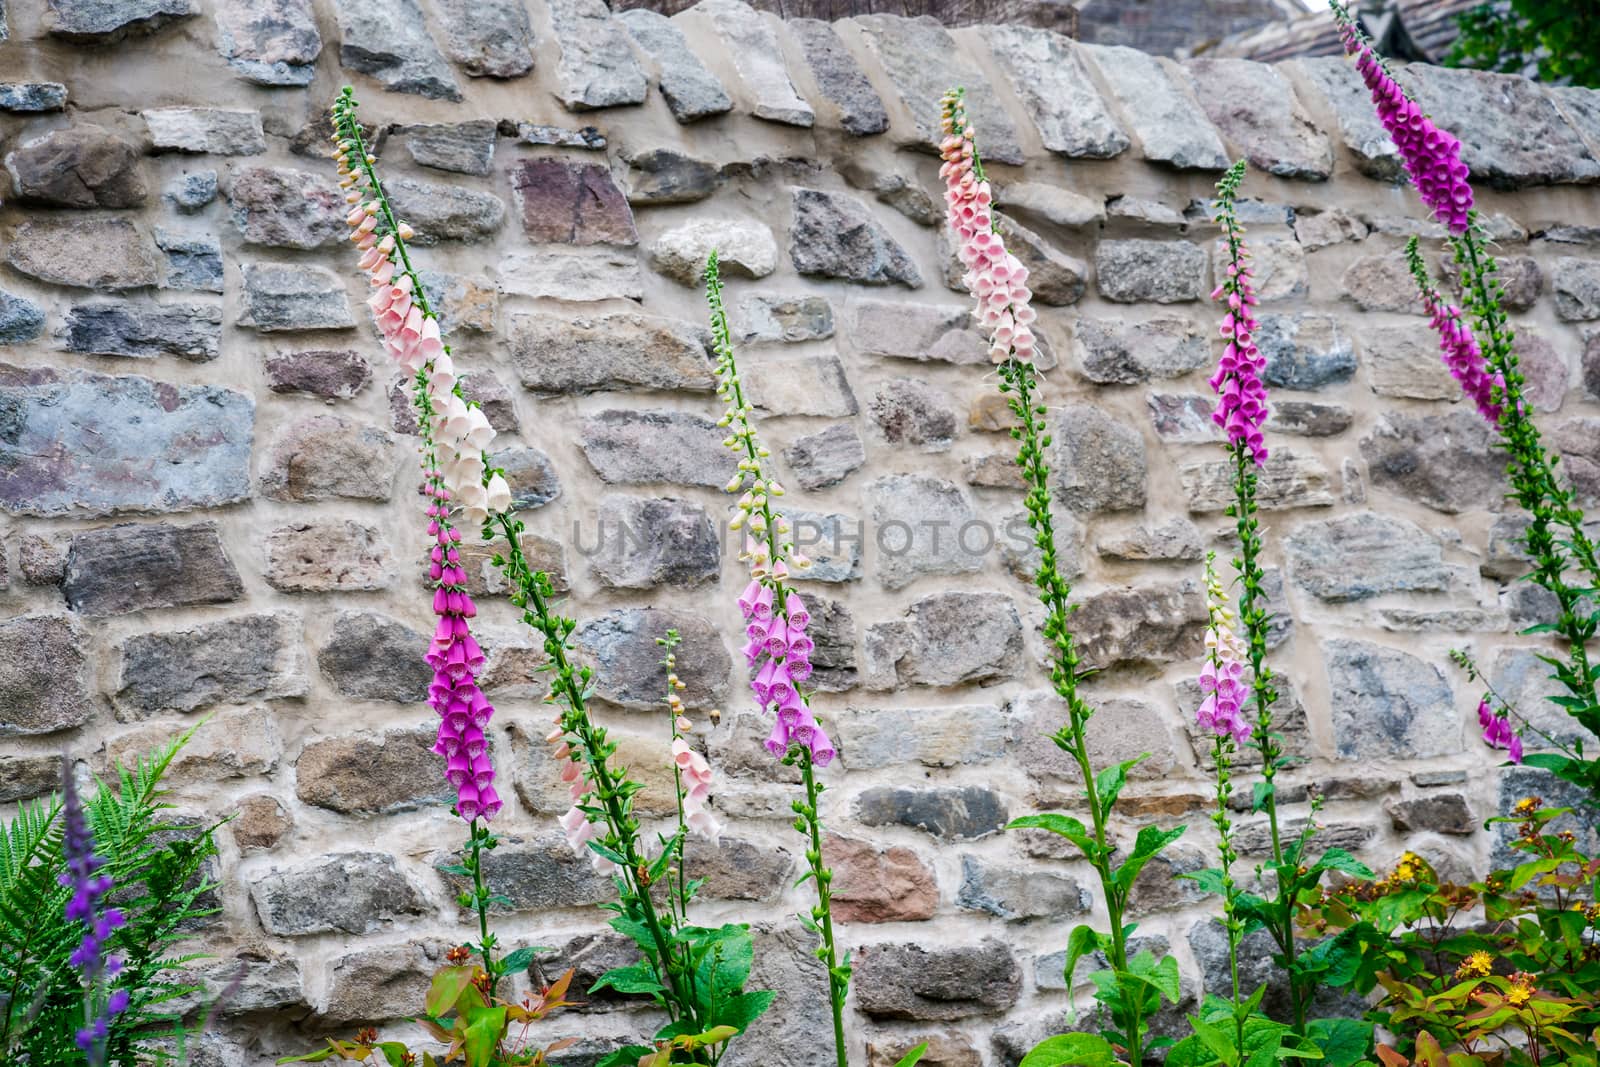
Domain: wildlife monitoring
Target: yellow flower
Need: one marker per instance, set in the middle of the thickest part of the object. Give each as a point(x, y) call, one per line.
point(1476, 965)
point(1521, 990)
point(1527, 806)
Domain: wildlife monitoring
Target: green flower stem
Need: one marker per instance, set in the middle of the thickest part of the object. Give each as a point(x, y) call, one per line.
point(480, 899)
point(1018, 383)
point(809, 821)
point(1253, 616)
point(1533, 477)
point(531, 593)
point(680, 898)
point(1221, 750)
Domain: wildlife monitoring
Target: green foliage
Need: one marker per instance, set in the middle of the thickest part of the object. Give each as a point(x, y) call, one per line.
point(1557, 41)
point(1450, 980)
point(159, 869)
point(1129, 990)
point(477, 1029)
point(1071, 1050)
point(914, 1057)
point(1562, 550)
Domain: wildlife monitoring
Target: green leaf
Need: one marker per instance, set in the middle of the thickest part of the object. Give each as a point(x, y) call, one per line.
point(1255, 912)
point(1527, 872)
point(1263, 1037)
point(483, 1034)
point(741, 1010)
point(635, 978)
point(393, 1051)
point(1082, 941)
point(911, 1058)
point(608, 853)
point(1072, 1050)
point(1337, 859)
point(637, 931)
point(1548, 761)
point(1062, 825)
point(1161, 976)
point(1260, 793)
point(1146, 847)
point(1109, 782)
point(1209, 880)
point(1218, 1041)
point(627, 1056)
point(311, 1057)
point(1344, 1042)
point(1191, 1052)
point(446, 990)
point(520, 959)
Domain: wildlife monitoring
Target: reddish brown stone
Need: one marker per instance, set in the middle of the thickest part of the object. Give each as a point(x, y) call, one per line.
point(260, 823)
point(331, 373)
point(572, 203)
point(944, 1050)
point(1150, 807)
point(82, 166)
point(873, 886)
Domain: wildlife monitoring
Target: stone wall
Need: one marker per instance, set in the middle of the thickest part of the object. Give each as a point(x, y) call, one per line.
point(206, 475)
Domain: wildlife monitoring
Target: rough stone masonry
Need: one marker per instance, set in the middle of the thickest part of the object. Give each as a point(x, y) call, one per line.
point(206, 471)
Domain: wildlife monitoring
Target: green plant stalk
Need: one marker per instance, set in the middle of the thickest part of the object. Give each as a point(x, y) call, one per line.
point(1017, 382)
point(810, 822)
point(1539, 491)
point(480, 898)
point(838, 984)
point(1253, 616)
point(533, 587)
point(1221, 750)
point(1532, 469)
point(1262, 694)
point(532, 590)
point(680, 841)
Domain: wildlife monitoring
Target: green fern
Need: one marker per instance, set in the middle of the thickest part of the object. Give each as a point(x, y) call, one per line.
point(159, 868)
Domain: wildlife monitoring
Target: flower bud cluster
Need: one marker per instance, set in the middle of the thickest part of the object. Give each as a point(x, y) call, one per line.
point(1457, 345)
point(1222, 676)
point(410, 334)
point(90, 888)
point(453, 653)
point(994, 276)
point(1241, 393)
point(776, 648)
point(694, 772)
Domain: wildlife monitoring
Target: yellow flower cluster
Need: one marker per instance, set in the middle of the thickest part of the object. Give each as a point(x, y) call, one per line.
point(1476, 965)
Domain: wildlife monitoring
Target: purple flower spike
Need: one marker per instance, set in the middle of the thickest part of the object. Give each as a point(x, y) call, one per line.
point(89, 889)
point(1432, 156)
point(1241, 394)
point(1498, 732)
